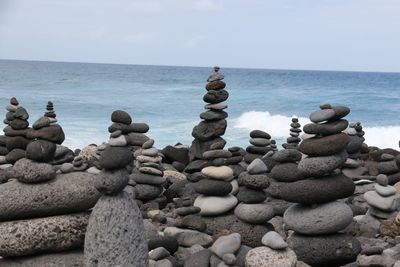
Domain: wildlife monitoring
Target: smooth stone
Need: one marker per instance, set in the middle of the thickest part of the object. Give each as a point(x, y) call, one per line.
point(115, 233)
point(168, 242)
point(258, 149)
point(67, 167)
point(150, 152)
point(229, 259)
point(255, 181)
point(224, 173)
point(385, 191)
point(340, 112)
point(112, 182)
point(250, 196)
point(139, 127)
point(188, 238)
point(118, 141)
point(213, 115)
point(212, 187)
point(287, 155)
point(93, 170)
point(273, 240)
point(257, 166)
point(42, 235)
point(259, 134)
point(388, 167)
point(16, 142)
point(18, 124)
point(147, 191)
point(219, 106)
point(327, 218)
point(207, 130)
point(27, 171)
point(147, 159)
point(219, 153)
point(120, 116)
point(382, 180)
point(215, 85)
point(193, 222)
point(213, 206)
point(67, 258)
point(390, 203)
point(198, 147)
point(53, 133)
point(151, 171)
point(318, 166)
point(355, 144)
point(227, 244)
point(143, 178)
point(41, 150)
point(67, 193)
point(115, 157)
point(15, 155)
point(183, 211)
point(324, 146)
point(158, 254)
point(11, 108)
point(116, 134)
point(267, 257)
point(254, 213)
point(286, 172)
point(260, 142)
point(320, 190)
point(325, 250)
point(148, 144)
point(41, 123)
point(387, 157)
point(235, 187)
point(216, 96)
point(199, 259)
point(136, 139)
point(322, 115)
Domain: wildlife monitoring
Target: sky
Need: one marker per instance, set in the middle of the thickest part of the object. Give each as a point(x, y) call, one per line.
point(354, 35)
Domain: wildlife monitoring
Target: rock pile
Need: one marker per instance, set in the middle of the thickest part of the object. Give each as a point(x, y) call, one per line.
point(390, 166)
point(251, 194)
point(16, 133)
point(295, 131)
point(384, 201)
point(149, 174)
point(356, 140)
point(213, 125)
point(260, 144)
point(318, 217)
point(114, 234)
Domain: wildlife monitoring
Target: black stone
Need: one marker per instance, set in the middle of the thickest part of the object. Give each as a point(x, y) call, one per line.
point(120, 116)
point(261, 150)
point(206, 131)
point(214, 115)
point(259, 134)
point(215, 85)
point(286, 172)
point(172, 154)
point(168, 242)
point(41, 151)
point(213, 187)
point(326, 128)
point(14, 155)
point(115, 158)
point(250, 196)
point(216, 96)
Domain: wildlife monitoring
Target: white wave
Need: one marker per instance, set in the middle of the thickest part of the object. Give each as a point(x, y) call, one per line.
point(278, 127)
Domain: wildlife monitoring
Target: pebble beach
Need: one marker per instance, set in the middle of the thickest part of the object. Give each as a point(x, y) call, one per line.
point(320, 196)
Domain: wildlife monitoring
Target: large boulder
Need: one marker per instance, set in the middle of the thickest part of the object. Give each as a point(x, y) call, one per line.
point(41, 150)
point(53, 133)
point(67, 193)
point(115, 234)
point(205, 131)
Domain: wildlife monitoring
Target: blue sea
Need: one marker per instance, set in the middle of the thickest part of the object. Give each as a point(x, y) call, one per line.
point(169, 99)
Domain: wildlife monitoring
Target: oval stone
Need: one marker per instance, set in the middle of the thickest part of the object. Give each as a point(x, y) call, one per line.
point(324, 146)
point(213, 206)
point(327, 128)
point(322, 115)
point(286, 172)
point(220, 173)
point(212, 187)
point(254, 213)
point(327, 218)
point(318, 166)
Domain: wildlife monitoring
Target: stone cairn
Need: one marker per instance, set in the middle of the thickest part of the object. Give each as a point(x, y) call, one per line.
point(295, 131)
point(384, 201)
point(252, 208)
point(149, 174)
point(356, 142)
point(115, 233)
point(318, 217)
point(390, 166)
point(16, 132)
point(213, 126)
point(260, 144)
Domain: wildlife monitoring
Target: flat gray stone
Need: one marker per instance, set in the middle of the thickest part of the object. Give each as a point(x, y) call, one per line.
point(28, 171)
point(254, 213)
point(318, 166)
point(273, 240)
point(322, 115)
point(226, 244)
point(257, 166)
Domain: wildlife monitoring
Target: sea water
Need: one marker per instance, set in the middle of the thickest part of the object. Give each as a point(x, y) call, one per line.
point(169, 99)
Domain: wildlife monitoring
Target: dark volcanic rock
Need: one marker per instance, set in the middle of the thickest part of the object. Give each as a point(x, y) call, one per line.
point(168, 242)
point(147, 192)
point(259, 134)
point(67, 258)
point(325, 250)
point(261, 150)
point(326, 128)
point(206, 131)
point(286, 172)
point(214, 115)
point(19, 124)
point(172, 154)
point(15, 155)
point(287, 155)
point(120, 116)
point(216, 96)
point(140, 127)
point(199, 147)
point(249, 196)
point(28, 171)
point(199, 259)
point(136, 139)
point(112, 182)
point(324, 146)
point(53, 133)
point(213, 187)
point(41, 150)
point(16, 142)
point(257, 181)
point(115, 157)
point(320, 190)
point(215, 85)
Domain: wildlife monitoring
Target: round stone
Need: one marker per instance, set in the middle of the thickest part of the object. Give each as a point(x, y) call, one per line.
point(267, 257)
point(224, 173)
point(287, 155)
point(112, 182)
point(227, 244)
point(320, 190)
point(250, 196)
point(21, 113)
point(41, 150)
point(259, 134)
point(118, 141)
point(385, 191)
point(254, 213)
point(214, 115)
point(148, 144)
point(273, 240)
point(260, 141)
point(213, 206)
point(208, 130)
point(325, 250)
point(322, 115)
point(324, 146)
point(257, 166)
point(261, 150)
point(375, 200)
point(340, 112)
point(382, 179)
point(216, 96)
point(18, 124)
point(219, 106)
point(215, 85)
point(218, 153)
point(327, 218)
point(318, 166)
point(27, 171)
point(168, 242)
point(41, 123)
point(286, 172)
point(147, 192)
point(120, 116)
point(212, 187)
point(151, 171)
point(255, 181)
point(115, 157)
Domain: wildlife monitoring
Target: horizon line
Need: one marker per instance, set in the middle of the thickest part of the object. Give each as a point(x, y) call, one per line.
point(198, 66)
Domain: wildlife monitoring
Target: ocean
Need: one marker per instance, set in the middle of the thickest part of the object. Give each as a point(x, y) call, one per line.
point(169, 99)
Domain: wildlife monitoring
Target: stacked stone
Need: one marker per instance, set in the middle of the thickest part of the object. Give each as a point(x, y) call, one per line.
point(260, 144)
point(318, 217)
point(114, 234)
point(384, 201)
point(295, 131)
point(213, 126)
point(356, 140)
point(388, 165)
point(252, 208)
point(235, 160)
point(216, 186)
point(16, 132)
point(149, 175)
